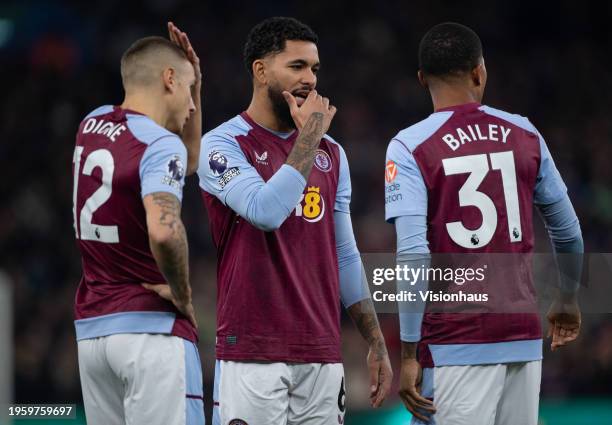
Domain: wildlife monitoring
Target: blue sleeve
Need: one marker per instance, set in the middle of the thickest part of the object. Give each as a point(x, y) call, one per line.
point(560, 219)
point(549, 184)
point(405, 191)
point(413, 252)
point(162, 167)
point(225, 173)
point(566, 237)
point(353, 281)
point(343, 193)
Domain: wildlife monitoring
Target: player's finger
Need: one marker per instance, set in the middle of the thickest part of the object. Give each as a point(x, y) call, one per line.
point(326, 102)
point(293, 106)
point(555, 336)
point(185, 41)
point(374, 373)
point(332, 111)
point(152, 287)
point(412, 409)
point(575, 334)
point(172, 32)
point(193, 57)
point(419, 400)
point(384, 385)
point(550, 329)
point(192, 317)
point(570, 335)
point(312, 95)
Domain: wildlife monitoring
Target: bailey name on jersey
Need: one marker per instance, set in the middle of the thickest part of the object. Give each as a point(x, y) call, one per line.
point(475, 134)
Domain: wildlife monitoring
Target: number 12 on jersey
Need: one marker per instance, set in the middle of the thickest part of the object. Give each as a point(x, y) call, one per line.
point(103, 159)
point(469, 195)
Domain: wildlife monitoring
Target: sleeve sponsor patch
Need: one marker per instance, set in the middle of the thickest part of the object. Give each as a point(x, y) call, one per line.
point(228, 176)
point(175, 171)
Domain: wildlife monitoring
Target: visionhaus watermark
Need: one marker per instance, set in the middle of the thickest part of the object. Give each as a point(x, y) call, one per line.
point(420, 277)
point(487, 282)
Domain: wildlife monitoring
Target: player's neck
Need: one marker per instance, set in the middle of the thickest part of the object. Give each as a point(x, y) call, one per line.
point(452, 96)
point(260, 111)
point(143, 104)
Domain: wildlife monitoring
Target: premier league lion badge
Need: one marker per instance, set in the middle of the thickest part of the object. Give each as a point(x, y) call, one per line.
point(217, 162)
point(176, 169)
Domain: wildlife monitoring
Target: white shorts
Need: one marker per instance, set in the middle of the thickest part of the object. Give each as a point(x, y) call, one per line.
point(500, 394)
point(148, 379)
point(278, 393)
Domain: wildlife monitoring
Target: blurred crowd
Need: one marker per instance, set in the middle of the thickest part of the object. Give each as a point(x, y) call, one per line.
point(60, 60)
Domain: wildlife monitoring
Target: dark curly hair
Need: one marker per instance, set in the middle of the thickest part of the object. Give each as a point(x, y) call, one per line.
point(449, 49)
point(270, 35)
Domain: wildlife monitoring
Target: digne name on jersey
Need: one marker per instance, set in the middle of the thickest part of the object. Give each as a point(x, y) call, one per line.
point(105, 128)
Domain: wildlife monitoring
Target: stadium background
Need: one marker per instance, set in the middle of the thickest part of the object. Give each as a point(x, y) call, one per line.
point(59, 60)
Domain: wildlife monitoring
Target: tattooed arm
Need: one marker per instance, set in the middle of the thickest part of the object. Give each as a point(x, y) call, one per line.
point(265, 204)
point(302, 155)
point(168, 242)
point(312, 119)
point(379, 366)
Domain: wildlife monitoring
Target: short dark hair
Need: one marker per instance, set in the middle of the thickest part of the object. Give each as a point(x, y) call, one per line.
point(449, 49)
point(133, 60)
point(270, 36)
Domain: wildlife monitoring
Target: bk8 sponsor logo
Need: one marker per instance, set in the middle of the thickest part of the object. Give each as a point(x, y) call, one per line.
point(311, 206)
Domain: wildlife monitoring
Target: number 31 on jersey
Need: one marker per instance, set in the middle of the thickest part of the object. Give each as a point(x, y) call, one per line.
point(469, 195)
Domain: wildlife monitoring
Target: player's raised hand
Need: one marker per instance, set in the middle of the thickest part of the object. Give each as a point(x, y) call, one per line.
point(381, 374)
point(564, 321)
point(411, 376)
point(181, 39)
point(314, 103)
point(164, 291)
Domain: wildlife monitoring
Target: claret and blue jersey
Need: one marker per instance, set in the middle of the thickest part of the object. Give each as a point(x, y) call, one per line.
point(120, 157)
point(281, 241)
point(465, 180)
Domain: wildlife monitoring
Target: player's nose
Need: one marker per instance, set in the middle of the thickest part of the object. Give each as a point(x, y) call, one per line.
point(192, 107)
point(309, 78)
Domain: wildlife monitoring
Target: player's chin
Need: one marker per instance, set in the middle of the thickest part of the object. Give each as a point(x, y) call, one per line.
point(178, 130)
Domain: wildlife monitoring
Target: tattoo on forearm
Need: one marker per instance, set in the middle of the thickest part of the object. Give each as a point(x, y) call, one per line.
point(172, 257)
point(170, 208)
point(302, 155)
point(364, 316)
point(409, 350)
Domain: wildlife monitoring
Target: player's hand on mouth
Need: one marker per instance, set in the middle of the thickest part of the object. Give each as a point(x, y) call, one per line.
point(313, 104)
point(301, 95)
point(164, 291)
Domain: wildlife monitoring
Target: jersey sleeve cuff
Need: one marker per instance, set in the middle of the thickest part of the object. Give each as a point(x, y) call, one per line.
point(151, 190)
point(294, 174)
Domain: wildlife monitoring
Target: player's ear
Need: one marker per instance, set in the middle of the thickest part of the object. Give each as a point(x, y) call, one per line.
point(169, 78)
point(422, 79)
point(259, 71)
point(479, 74)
